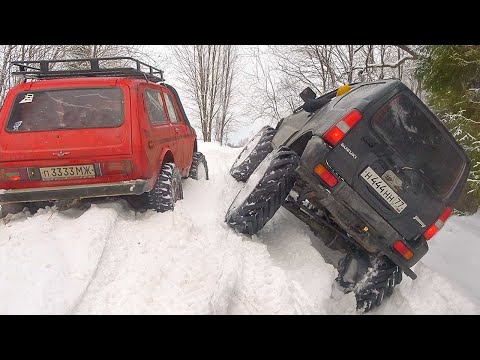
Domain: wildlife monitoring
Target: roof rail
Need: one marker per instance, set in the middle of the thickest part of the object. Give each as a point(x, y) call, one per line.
point(90, 67)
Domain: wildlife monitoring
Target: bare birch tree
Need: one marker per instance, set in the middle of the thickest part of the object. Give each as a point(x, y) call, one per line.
point(267, 99)
point(207, 73)
point(225, 118)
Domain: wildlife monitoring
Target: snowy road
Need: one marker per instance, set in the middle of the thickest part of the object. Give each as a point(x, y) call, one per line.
point(110, 260)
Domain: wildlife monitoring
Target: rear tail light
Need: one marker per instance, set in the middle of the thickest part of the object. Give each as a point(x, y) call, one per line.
point(325, 175)
point(403, 249)
point(121, 167)
point(437, 225)
point(338, 131)
point(17, 174)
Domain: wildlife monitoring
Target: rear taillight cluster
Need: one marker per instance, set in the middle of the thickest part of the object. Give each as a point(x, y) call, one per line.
point(338, 131)
point(332, 137)
point(406, 252)
point(437, 225)
point(121, 167)
point(324, 174)
point(13, 174)
point(403, 249)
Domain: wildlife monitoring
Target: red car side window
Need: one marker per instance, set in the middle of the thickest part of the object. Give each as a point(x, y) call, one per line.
point(154, 105)
point(174, 118)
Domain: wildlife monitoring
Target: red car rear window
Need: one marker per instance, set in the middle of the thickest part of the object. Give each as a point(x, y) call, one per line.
point(67, 109)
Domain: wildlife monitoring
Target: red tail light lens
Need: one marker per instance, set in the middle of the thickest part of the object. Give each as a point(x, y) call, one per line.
point(333, 136)
point(121, 167)
point(437, 225)
point(325, 175)
point(13, 174)
point(337, 132)
point(403, 249)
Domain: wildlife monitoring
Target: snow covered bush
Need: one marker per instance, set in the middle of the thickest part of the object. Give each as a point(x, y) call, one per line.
point(450, 74)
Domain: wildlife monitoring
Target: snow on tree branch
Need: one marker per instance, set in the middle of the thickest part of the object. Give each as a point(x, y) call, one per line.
point(414, 54)
point(392, 65)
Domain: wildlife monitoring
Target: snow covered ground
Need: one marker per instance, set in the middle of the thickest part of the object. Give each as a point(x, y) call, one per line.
point(111, 260)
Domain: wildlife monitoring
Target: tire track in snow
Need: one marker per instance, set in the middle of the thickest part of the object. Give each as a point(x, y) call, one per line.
point(289, 243)
point(45, 266)
point(251, 258)
point(289, 251)
point(191, 262)
point(152, 265)
point(110, 228)
point(263, 288)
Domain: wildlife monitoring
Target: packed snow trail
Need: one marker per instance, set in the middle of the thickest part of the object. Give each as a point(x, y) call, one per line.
point(111, 260)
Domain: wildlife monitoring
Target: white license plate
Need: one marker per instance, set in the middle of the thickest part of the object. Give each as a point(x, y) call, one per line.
point(385, 191)
point(67, 172)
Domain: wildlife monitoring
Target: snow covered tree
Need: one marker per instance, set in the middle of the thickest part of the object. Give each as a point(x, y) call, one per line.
point(451, 76)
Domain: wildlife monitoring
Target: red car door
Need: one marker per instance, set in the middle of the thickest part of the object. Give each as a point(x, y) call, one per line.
point(158, 133)
point(183, 133)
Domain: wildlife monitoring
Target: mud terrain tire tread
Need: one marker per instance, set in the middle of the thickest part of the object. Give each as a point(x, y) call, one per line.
point(268, 195)
point(167, 189)
point(377, 286)
point(241, 171)
point(198, 158)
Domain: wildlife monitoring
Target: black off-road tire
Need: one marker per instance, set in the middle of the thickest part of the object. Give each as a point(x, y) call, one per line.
point(376, 285)
point(253, 154)
point(196, 168)
point(270, 184)
point(166, 191)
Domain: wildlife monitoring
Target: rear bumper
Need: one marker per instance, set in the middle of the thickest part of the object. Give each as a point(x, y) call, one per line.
point(134, 187)
point(354, 214)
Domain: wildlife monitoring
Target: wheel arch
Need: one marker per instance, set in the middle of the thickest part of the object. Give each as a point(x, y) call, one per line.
point(299, 143)
point(167, 156)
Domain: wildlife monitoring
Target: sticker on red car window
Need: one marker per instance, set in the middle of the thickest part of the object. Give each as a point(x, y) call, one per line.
point(17, 125)
point(27, 99)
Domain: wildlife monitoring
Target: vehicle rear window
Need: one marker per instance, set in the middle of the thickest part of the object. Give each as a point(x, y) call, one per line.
point(423, 146)
point(67, 109)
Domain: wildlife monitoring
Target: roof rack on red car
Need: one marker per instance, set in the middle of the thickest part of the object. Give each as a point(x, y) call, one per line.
point(91, 67)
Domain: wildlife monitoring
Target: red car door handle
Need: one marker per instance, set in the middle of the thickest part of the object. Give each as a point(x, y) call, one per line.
point(176, 130)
